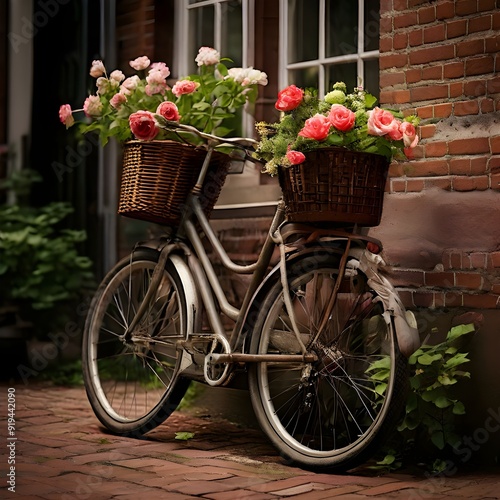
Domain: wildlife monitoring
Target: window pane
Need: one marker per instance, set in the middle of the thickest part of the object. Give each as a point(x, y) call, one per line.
point(231, 26)
point(371, 82)
point(304, 77)
point(341, 73)
point(341, 27)
point(372, 24)
point(201, 32)
point(303, 37)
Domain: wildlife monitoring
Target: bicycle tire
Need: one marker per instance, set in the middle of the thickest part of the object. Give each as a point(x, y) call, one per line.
point(134, 386)
point(333, 413)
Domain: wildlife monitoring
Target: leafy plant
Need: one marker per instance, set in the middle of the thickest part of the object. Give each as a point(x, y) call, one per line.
point(431, 407)
point(41, 269)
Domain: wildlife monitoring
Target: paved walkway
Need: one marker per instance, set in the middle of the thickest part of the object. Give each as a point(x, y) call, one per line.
point(61, 452)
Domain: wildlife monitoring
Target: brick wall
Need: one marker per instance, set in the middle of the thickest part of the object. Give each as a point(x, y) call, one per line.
point(440, 60)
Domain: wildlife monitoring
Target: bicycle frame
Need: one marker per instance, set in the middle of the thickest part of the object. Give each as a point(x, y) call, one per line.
point(202, 281)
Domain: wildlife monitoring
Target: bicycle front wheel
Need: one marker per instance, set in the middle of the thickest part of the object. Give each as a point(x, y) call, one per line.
point(335, 411)
point(133, 384)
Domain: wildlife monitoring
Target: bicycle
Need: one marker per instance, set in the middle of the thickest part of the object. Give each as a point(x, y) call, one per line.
point(321, 337)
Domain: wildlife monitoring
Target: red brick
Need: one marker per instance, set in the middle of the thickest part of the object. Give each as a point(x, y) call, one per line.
point(493, 85)
point(475, 88)
point(495, 144)
point(464, 108)
point(398, 186)
point(429, 54)
point(414, 185)
point(469, 146)
point(482, 23)
point(445, 10)
point(407, 278)
point(426, 15)
point(393, 61)
point(440, 279)
point(496, 21)
point(443, 110)
point(455, 29)
point(495, 182)
point(400, 41)
point(426, 131)
point(487, 106)
point(438, 182)
point(454, 70)
point(456, 260)
point(423, 299)
point(391, 79)
point(479, 165)
point(405, 20)
point(416, 37)
point(435, 33)
point(479, 65)
point(385, 45)
point(429, 92)
point(478, 260)
point(479, 183)
point(413, 75)
point(470, 47)
point(464, 7)
point(460, 166)
point(453, 299)
point(432, 72)
point(481, 301)
point(425, 112)
point(385, 25)
point(484, 5)
point(494, 164)
point(428, 168)
point(493, 44)
point(433, 149)
point(495, 259)
point(456, 89)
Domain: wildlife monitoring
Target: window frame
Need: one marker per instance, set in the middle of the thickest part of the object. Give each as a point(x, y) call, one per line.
point(359, 57)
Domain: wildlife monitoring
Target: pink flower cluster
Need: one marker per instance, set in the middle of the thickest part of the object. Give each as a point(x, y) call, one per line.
point(143, 124)
point(382, 122)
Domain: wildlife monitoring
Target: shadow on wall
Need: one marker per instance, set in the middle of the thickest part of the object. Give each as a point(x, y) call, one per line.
point(416, 228)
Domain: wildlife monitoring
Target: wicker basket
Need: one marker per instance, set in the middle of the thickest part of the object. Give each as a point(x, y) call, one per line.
point(157, 177)
point(337, 185)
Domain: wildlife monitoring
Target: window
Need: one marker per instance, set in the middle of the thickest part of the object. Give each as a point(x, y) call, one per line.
point(326, 41)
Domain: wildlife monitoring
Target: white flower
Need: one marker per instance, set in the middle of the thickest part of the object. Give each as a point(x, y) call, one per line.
point(117, 76)
point(207, 56)
point(97, 69)
point(248, 76)
point(130, 83)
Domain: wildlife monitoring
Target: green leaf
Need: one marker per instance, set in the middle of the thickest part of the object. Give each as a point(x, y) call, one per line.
point(459, 330)
point(442, 402)
point(458, 408)
point(457, 360)
point(184, 436)
point(428, 359)
point(438, 439)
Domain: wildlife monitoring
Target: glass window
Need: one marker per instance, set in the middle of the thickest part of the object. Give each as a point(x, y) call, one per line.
point(326, 41)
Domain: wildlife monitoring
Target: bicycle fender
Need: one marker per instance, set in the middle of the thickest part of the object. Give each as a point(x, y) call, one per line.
point(187, 281)
point(404, 321)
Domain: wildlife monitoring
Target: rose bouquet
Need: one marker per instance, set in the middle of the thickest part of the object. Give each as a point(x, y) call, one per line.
point(137, 105)
point(348, 120)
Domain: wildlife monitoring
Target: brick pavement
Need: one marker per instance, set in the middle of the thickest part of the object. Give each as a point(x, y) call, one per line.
point(61, 452)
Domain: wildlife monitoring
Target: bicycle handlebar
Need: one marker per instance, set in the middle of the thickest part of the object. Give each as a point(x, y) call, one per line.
point(238, 142)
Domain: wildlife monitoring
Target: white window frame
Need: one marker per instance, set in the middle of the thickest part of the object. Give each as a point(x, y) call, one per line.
point(322, 61)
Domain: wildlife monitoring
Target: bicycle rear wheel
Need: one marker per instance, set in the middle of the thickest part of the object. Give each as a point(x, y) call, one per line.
point(333, 412)
point(133, 385)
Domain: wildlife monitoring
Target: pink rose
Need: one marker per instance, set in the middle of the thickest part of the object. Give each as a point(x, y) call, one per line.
point(117, 76)
point(184, 87)
point(410, 137)
point(156, 79)
point(117, 100)
point(382, 122)
point(92, 106)
point(97, 69)
point(66, 115)
point(295, 157)
point(316, 127)
point(143, 125)
point(169, 111)
point(341, 118)
point(140, 63)
point(289, 98)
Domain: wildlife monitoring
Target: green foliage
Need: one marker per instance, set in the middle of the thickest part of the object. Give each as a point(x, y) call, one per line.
point(41, 270)
point(431, 407)
point(184, 436)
